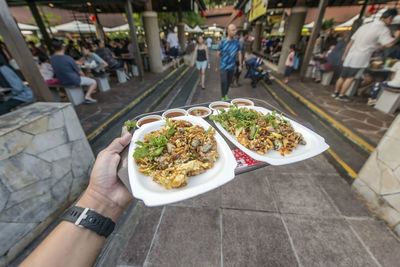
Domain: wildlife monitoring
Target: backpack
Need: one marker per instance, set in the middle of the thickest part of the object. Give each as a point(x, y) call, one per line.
point(296, 62)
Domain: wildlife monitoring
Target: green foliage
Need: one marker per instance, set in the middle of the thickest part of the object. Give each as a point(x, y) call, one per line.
point(166, 19)
point(327, 24)
point(119, 35)
point(214, 3)
point(49, 19)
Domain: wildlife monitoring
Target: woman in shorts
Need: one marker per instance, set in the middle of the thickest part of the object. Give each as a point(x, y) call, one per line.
point(201, 56)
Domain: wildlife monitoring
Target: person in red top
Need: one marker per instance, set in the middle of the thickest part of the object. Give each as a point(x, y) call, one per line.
point(289, 63)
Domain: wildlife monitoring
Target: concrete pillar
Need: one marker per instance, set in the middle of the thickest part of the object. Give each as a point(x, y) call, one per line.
point(181, 35)
point(257, 36)
point(292, 34)
point(150, 24)
point(21, 53)
point(323, 4)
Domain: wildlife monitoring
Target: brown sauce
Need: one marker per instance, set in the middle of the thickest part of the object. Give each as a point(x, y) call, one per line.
point(145, 121)
point(174, 114)
point(198, 112)
point(220, 106)
point(242, 103)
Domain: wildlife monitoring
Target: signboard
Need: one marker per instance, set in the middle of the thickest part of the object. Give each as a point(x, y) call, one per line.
point(258, 8)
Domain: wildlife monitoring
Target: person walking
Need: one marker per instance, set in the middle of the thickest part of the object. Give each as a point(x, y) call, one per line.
point(227, 51)
point(289, 63)
point(201, 55)
point(209, 44)
point(173, 47)
point(242, 42)
point(360, 48)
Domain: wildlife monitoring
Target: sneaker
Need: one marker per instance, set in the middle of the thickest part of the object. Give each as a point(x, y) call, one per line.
point(343, 98)
point(371, 102)
point(334, 95)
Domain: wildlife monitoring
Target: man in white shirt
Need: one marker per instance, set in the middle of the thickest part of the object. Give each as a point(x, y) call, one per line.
point(360, 48)
point(209, 44)
point(172, 46)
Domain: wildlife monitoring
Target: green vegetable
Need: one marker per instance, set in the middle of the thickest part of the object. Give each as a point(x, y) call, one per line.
point(130, 125)
point(209, 130)
point(252, 131)
point(152, 149)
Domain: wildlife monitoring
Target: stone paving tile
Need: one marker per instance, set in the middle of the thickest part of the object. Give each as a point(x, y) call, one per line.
point(210, 199)
point(255, 239)
point(187, 237)
point(364, 117)
point(138, 245)
point(298, 194)
point(343, 198)
point(380, 241)
point(112, 101)
point(326, 242)
point(248, 191)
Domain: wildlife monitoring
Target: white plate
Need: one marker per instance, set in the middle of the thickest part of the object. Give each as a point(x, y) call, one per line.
point(153, 194)
point(315, 144)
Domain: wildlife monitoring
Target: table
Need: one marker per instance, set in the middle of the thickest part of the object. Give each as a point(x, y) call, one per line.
point(123, 166)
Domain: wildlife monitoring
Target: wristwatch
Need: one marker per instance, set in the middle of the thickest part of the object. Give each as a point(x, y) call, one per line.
point(90, 219)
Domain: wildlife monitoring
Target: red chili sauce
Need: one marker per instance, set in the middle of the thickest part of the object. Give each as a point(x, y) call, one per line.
point(242, 103)
point(174, 114)
point(145, 121)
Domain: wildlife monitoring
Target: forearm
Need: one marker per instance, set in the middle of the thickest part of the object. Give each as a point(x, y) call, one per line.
point(348, 48)
point(392, 43)
point(217, 60)
point(70, 245)
point(240, 58)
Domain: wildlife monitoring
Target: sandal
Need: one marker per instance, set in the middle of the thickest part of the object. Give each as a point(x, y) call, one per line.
point(88, 101)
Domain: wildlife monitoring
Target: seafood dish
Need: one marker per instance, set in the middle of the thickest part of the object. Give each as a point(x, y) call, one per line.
point(176, 151)
point(259, 132)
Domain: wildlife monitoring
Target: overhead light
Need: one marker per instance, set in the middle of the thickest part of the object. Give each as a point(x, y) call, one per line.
point(98, 9)
point(361, 2)
point(279, 4)
point(51, 5)
point(88, 4)
point(164, 8)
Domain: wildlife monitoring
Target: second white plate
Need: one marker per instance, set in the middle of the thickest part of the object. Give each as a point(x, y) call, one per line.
point(315, 144)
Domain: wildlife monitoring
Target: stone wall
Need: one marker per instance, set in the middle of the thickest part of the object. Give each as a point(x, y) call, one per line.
point(379, 178)
point(45, 161)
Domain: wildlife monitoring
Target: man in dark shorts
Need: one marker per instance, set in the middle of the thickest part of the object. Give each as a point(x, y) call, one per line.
point(360, 48)
point(242, 42)
point(172, 47)
point(228, 49)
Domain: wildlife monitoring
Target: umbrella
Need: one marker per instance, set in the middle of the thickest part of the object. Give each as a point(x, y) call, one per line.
point(121, 28)
point(77, 26)
point(197, 29)
point(309, 25)
point(27, 27)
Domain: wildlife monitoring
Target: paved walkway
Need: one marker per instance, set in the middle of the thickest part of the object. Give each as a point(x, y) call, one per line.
point(301, 214)
point(364, 119)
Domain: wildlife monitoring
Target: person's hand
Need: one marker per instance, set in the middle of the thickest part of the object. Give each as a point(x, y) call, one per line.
point(397, 34)
point(343, 57)
point(216, 69)
point(105, 188)
point(240, 68)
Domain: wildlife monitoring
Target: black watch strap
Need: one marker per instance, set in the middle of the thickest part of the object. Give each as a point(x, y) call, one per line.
point(88, 218)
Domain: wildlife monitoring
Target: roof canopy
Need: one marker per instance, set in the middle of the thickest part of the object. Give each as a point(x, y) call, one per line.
point(77, 27)
point(311, 3)
point(116, 6)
